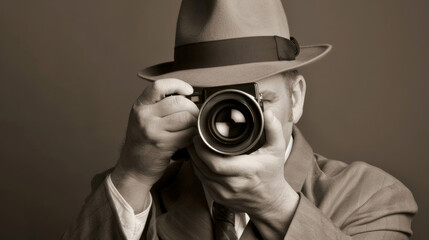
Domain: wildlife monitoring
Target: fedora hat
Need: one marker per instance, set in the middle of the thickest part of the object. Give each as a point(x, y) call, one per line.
point(221, 42)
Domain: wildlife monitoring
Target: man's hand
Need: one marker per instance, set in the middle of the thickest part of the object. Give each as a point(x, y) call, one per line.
point(157, 127)
point(252, 183)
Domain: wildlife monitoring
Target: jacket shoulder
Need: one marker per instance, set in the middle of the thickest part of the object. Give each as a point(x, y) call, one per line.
point(357, 176)
point(356, 171)
point(359, 195)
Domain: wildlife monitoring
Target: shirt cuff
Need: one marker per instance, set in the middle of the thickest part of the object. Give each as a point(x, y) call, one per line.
point(132, 224)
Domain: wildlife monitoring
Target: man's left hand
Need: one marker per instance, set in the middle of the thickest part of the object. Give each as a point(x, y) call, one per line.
point(252, 183)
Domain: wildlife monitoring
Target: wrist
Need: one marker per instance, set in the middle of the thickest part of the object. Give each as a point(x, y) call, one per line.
point(273, 221)
point(141, 165)
point(134, 191)
point(127, 177)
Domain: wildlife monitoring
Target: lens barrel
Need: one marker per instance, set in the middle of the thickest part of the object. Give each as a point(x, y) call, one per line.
point(231, 122)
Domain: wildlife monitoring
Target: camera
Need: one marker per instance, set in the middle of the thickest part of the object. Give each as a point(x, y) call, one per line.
point(231, 120)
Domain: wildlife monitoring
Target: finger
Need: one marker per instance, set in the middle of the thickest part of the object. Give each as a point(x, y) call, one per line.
point(178, 121)
point(202, 167)
point(232, 183)
point(174, 104)
point(181, 138)
point(273, 131)
point(218, 191)
point(158, 89)
point(219, 164)
point(207, 181)
point(202, 176)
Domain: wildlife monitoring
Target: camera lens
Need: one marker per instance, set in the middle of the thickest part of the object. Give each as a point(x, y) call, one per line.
point(230, 122)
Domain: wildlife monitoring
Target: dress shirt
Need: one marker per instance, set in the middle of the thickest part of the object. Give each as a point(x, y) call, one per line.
point(133, 224)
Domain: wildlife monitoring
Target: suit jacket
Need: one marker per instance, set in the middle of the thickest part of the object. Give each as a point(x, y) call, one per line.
point(337, 201)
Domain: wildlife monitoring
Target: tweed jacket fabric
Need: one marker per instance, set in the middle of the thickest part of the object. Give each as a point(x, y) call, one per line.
point(337, 201)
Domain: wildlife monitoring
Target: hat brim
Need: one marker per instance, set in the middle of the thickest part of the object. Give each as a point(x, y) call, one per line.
point(234, 74)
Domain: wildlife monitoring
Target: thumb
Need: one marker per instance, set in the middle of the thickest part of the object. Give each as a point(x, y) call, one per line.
point(273, 131)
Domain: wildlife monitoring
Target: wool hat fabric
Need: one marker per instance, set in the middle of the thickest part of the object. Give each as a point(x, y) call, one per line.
point(222, 42)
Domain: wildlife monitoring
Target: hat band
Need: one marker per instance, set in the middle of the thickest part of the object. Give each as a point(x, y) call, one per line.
point(235, 51)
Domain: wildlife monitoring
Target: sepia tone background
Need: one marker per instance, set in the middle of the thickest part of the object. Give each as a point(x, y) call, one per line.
point(68, 79)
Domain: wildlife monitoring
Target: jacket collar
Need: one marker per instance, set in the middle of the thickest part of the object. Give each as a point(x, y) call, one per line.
point(298, 165)
point(187, 215)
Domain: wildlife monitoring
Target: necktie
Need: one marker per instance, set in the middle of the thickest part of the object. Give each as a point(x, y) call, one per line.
point(224, 221)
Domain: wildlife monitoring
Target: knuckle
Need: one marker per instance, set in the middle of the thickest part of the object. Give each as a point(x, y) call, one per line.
point(225, 194)
point(145, 111)
point(149, 130)
point(143, 115)
point(161, 145)
point(157, 85)
point(216, 167)
point(236, 189)
point(136, 106)
point(146, 132)
point(236, 186)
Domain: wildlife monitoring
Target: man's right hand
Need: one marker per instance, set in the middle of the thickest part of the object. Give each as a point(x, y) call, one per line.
point(157, 127)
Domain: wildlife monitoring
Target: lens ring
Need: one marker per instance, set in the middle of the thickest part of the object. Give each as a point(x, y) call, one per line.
point(257, 116)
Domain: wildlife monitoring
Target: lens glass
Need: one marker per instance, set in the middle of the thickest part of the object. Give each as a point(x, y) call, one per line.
point(230, 122)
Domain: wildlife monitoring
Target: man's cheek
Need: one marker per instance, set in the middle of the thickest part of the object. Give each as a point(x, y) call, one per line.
point(279, 112)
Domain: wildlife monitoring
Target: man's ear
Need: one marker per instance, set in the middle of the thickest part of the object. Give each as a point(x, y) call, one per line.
point(298, 96)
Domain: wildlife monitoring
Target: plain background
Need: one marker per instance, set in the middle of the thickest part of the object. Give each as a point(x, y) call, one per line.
point(68, 79)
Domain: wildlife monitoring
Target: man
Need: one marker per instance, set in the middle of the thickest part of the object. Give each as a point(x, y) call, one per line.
point(280, 191)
